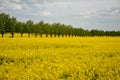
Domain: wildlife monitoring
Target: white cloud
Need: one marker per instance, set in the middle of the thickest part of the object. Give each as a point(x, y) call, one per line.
point(46, 13)
point(110, 12)
point(87, 13)
point(7, 5)
point(86, 17)
point(16, 7)
point(17, 1)
point(75, 12)
point(117, 11)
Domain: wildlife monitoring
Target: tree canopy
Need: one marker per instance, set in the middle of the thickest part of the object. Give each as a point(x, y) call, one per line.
point(11, 25)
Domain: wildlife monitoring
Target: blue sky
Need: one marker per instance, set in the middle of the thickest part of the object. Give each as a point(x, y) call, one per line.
point(87, 14)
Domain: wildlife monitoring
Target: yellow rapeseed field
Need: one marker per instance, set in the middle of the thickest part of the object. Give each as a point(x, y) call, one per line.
point(67, 58)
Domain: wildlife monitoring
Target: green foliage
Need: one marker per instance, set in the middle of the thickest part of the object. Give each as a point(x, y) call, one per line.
point(11, 25)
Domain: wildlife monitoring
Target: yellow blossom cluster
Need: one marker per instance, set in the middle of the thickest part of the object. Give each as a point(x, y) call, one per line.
point(67, 58)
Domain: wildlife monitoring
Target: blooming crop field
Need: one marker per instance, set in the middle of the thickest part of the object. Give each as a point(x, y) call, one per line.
point(67, 58)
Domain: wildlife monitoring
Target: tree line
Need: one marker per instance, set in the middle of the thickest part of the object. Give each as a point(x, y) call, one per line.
point(11, 25)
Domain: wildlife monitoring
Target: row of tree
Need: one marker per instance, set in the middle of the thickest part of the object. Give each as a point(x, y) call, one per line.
point(12, 25)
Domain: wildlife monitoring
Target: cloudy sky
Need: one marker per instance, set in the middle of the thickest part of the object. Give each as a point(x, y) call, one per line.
point(88, 14)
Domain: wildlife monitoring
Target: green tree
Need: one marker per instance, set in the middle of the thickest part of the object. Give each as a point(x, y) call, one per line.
point(3, 23)
point(51, 30)
point(29, 25)
point(40, 24)
point(54, 29)
point(35, 29)
point(62, 30)
point(94, 32)
point(69, 30)
point(12, 26)
point(46, 29)
point(20, 26)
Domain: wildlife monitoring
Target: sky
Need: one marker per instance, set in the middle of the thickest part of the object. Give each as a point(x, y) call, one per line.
point(86, 14)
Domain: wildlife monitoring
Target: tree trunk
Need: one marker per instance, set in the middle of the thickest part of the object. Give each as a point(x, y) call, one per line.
point(66, 35)
point(62, 35)
point(58, 35)
point(69, 35)
point(21, 34)
point(46, 35)
point(35, 34)
point(28, 34)
point(2, 34)
point(55, 35)
point(72, 35)
point(75, 35)
point(50, 35)
point(12, 34)
point(40, 35)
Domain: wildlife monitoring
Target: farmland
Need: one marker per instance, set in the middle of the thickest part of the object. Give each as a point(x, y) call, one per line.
point(63, 58)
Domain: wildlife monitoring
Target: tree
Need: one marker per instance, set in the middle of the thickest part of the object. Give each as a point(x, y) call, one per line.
point(20, 26)
point(62, 30)
point(3, 23)
point(54, 29)
point(12, 26)
point(40, 26)
point(69, 30)
point(46, 29)
point(75, 32)
point(35, 29)
point(94, 32)
point(58, 27)
point(50, 30)
point(29, 25)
